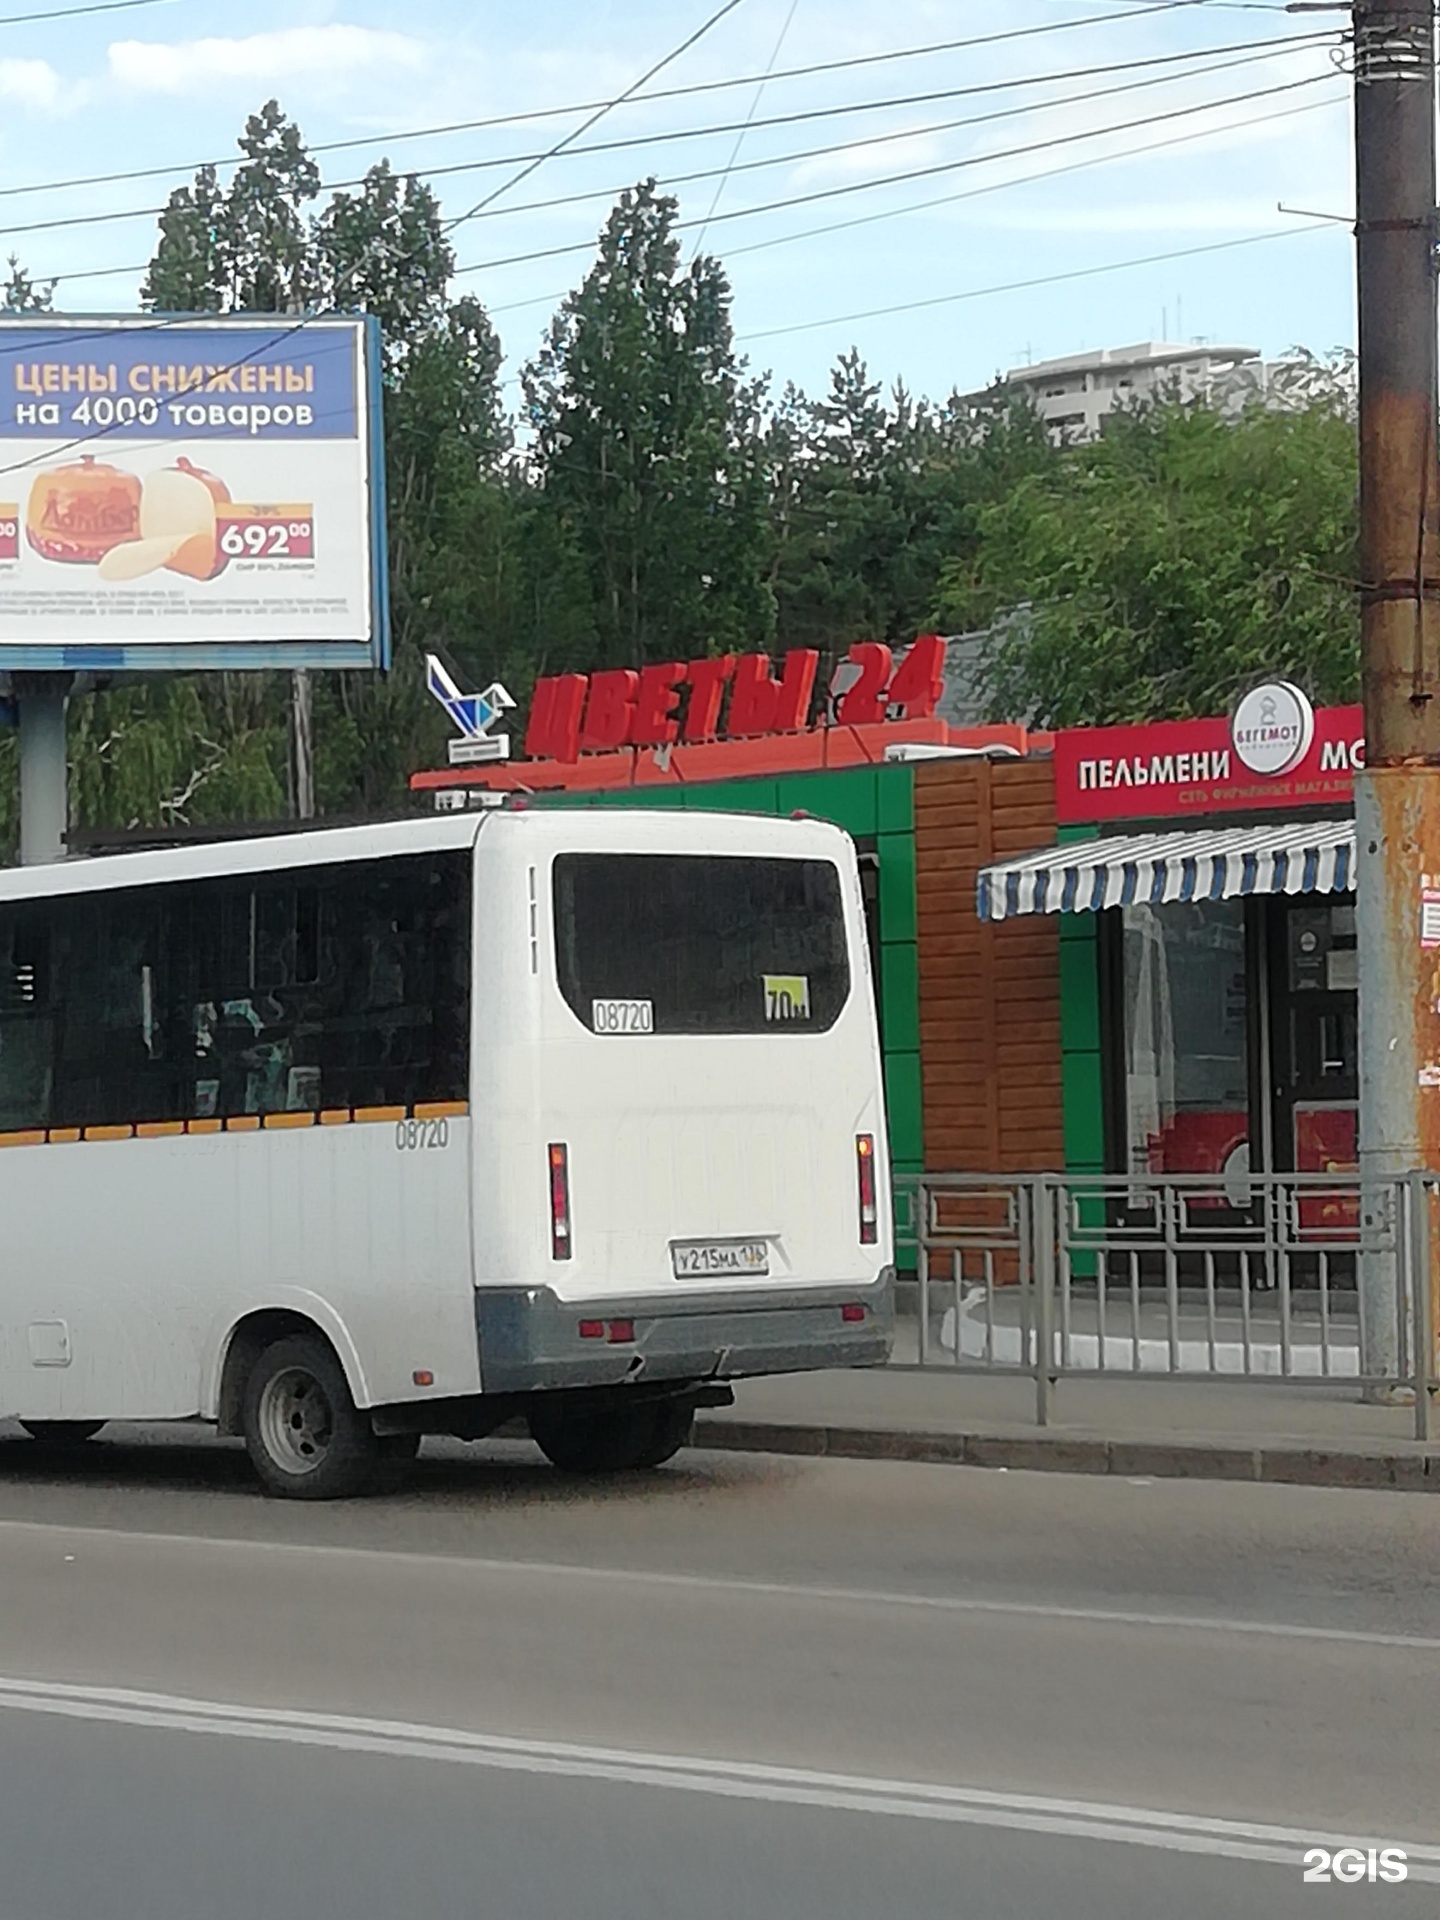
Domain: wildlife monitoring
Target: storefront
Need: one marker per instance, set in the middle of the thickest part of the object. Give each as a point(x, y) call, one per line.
point(1200, 883)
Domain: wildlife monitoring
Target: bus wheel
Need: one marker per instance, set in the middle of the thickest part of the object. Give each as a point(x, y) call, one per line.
point(610, 1439)
point(62, 1433)
point(306, 1438)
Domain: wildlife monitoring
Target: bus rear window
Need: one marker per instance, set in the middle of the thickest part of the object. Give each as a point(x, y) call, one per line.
point(700, 943)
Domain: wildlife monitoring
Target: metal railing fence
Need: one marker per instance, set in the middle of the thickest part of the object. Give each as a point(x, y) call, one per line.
point(1296, 1279)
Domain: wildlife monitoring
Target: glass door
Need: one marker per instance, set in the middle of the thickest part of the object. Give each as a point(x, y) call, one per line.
point(1186, 1065)
point(1314, 1046)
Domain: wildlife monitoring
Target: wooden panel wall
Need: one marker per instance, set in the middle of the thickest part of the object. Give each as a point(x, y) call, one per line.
point(989, 995)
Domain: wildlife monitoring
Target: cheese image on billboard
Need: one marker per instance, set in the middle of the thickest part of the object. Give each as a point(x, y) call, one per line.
point(177, 528)
point(200, 492)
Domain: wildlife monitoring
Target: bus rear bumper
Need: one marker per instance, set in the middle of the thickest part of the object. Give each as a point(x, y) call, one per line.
point(531, 1340)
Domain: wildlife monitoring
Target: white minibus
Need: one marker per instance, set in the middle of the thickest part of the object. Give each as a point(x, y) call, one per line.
point(342, 1137)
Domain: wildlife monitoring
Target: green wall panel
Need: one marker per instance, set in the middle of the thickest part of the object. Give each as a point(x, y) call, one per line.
point(902, 1101)
point(1079, 985)
point(897, 885)
point(895, 798)
point(1084, 1113)
point(734, 796)
point(1080, 1069)
point(846, 797)
point(899, 995)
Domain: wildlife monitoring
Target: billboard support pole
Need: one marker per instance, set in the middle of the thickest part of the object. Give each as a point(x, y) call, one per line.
point(302, 745)
point(41, 700)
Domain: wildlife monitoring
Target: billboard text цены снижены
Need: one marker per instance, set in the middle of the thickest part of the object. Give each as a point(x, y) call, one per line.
point(190, 493)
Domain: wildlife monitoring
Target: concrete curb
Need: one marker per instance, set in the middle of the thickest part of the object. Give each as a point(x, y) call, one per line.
point(1411, 1472)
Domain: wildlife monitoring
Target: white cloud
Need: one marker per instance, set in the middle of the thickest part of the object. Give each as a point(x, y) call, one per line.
point(264, 58)
point(30, 83)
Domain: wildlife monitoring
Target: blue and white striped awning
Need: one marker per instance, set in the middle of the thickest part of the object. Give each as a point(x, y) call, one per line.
point(1152, 869)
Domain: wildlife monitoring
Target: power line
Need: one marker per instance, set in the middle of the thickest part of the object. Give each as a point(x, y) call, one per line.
point(890, 213)
point(674, 180)
point(69, 13)
point(729, 166)
point(922, 173)
point(973, 193)
point(664, 93)
point(712, 20)
point(1211, 58)
point(1038, 280)
point(1029, 179)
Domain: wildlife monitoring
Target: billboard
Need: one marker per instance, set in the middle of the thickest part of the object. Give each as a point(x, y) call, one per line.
point(190, 493)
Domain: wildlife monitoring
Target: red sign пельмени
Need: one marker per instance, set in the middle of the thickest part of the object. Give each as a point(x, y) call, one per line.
point(1185, 768)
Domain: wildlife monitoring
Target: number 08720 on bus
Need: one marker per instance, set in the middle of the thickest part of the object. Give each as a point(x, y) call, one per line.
point(340, 1139)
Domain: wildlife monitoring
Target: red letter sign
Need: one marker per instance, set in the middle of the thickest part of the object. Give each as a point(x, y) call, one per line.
point(608, 710)
point(919, 679)
point(707, 683)
point(555, 706)
point(762, 704)
point(865, 702)
point(656, 703)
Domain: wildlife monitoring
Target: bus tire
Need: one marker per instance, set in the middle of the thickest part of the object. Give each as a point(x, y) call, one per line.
point(306, 1438)
point(62, 1433)
point(610, 1439)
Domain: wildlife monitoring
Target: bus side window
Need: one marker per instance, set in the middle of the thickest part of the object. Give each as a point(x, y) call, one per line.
point(341, 987)
point(27, 1028)
point(110, 1058)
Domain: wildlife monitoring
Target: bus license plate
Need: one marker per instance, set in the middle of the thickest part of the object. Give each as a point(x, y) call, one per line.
point(719, 1259)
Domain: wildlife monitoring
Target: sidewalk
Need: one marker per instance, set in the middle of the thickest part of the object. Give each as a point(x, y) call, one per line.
point(1197, 1429)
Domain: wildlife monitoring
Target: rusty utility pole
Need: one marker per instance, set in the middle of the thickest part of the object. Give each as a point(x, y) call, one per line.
point(1397, 798)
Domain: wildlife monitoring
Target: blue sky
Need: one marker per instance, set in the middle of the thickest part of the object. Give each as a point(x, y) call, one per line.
point(168, 85)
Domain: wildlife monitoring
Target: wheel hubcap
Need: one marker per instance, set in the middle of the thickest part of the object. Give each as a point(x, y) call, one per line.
point(297, 1423)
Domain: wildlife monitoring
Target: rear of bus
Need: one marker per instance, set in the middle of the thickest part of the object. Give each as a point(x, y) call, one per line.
point(690, 1124)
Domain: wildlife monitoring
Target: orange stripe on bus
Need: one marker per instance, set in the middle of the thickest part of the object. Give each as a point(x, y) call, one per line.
point(237, 1123)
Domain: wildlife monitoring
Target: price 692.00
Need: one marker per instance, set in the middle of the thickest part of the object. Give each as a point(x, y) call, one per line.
point(267, 536)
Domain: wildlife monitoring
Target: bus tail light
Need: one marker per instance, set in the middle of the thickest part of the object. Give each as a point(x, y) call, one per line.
point(559, 1201)
point(865, 1169)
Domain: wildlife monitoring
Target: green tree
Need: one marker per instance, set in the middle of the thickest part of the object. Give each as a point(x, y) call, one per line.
point(871, 498)
point(647, 448)
point(1153, 572)
point(24, 295)
point(248, 248)
point(380, 249)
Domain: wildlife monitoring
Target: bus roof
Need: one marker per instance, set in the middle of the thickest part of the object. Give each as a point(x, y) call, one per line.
point(634, 829)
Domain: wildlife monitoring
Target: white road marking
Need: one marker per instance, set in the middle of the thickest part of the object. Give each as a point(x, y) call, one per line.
point(738, 1780)
point(559, 1570)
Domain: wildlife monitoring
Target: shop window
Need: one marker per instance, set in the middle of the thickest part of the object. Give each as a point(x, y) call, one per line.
point(1186, 1095)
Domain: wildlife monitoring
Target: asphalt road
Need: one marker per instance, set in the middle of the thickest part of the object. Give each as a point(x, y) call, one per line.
point(742, 1685)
